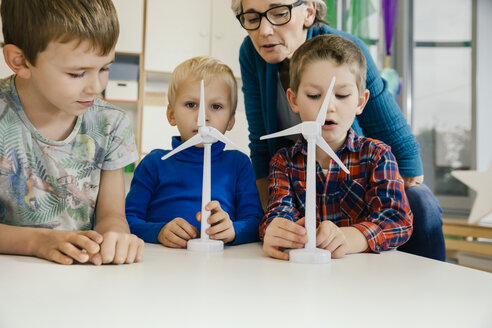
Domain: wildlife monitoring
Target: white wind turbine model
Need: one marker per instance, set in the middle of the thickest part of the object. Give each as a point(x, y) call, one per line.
point(311, 130)
point(206, 135)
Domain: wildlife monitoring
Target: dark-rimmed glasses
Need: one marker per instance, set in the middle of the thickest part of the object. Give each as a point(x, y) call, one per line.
point(278, 15)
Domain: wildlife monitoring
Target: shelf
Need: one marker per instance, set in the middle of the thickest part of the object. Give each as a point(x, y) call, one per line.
point(120, 101)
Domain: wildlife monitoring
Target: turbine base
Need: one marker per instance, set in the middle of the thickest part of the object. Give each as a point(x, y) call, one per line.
point(312, 256)
point(205, 245)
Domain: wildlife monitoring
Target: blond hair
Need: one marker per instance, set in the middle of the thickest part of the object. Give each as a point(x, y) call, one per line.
point(202, 68)
point(32, 24)
point(328, 47)
point(237, 8)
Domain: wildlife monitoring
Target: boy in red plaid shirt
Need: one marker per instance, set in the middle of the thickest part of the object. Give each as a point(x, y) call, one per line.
point(366, 210)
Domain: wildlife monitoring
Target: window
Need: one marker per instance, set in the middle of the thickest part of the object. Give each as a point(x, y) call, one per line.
point(442, 95)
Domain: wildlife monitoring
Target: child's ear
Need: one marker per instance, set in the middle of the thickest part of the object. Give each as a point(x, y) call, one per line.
point(292, 98)
point(363, 98)
point(170, 116)
point(14, 57)
point(231, 123)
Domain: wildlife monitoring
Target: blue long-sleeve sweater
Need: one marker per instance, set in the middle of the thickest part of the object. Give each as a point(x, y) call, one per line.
point(381, 118)
point(163, 190)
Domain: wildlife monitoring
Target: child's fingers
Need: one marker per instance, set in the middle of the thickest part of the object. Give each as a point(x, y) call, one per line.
point(219, 227)
point(95, 259)
point(108, 247)
point(121, 249)
point(285, 243)
point(335, 243)
point(217, 217)
point(325, 234)
point(226, 235)
point(340, 251)
point(190, 230)
point(281, 233)
point(133, 248)
point(213, 206)
point(288, 225)
point(74, 252)
point(168, 243)
point(181, 230)
point(82, 241)
point(172, 239)
point(140, 252)
point(58, 257)
point(275, 252)
point(93, 235)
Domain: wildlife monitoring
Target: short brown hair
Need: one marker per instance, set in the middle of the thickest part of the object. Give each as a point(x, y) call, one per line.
point(202, 68)
point(32, 24)
point(328, 47)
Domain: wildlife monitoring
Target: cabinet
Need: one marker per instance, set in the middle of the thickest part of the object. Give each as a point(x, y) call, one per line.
point(178, 30)
point(130, 44)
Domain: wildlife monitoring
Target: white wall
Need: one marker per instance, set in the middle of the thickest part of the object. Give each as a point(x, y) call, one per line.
point(4, 69)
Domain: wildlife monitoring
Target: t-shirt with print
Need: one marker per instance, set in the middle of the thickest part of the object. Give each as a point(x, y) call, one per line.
point(54, 184)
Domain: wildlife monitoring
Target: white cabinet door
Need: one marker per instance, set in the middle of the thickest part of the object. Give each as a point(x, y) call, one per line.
point(227, 35)
point(176, 31)
point(130, 16)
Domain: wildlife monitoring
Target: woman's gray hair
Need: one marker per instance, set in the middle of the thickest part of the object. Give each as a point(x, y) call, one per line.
point(237, 8)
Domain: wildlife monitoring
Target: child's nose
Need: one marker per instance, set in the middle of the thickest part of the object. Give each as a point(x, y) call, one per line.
point(94, 85)
point(331, 105)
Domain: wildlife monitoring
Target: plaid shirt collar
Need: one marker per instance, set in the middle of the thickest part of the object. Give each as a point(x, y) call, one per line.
point(352, 144)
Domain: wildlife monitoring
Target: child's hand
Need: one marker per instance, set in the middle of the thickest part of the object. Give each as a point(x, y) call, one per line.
point(119, 248)
point(66, 246)
point(221, 224)
point(329, 236)
point(283, 233)
point(176, 233)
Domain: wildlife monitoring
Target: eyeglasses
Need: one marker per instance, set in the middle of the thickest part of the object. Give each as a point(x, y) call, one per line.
point(279, 15)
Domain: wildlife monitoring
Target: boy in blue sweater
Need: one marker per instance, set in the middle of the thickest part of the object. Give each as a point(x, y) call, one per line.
point(165, 196)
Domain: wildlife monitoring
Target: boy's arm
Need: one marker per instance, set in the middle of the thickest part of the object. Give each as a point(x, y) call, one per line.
point(55, 245)
point(390, 223)
point(118, 246)
point(248, 207)
point(281, 195)
point(142, 187)
point(277, 228)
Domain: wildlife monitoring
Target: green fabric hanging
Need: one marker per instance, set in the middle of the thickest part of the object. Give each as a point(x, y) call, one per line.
point(356, 22)
point(331, 12)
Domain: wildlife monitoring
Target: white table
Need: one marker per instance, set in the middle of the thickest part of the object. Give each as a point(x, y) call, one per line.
point(241, 287)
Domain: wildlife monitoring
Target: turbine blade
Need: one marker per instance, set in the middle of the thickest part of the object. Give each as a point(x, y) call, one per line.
point(195, 140)
point(219, 136)
point(201, 109)
point(324, 107)
point(327, 149)
point(293, 130)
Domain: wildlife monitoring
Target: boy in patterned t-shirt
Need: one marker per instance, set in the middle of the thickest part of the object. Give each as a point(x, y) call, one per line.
point(62, 149)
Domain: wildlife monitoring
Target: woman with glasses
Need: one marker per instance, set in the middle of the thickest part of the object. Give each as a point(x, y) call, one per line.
point(276, 28)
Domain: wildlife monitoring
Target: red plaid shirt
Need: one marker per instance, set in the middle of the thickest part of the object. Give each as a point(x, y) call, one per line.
point(372, 198)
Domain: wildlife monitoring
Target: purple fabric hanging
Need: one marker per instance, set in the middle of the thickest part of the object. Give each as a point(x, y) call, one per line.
point(390, 15)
